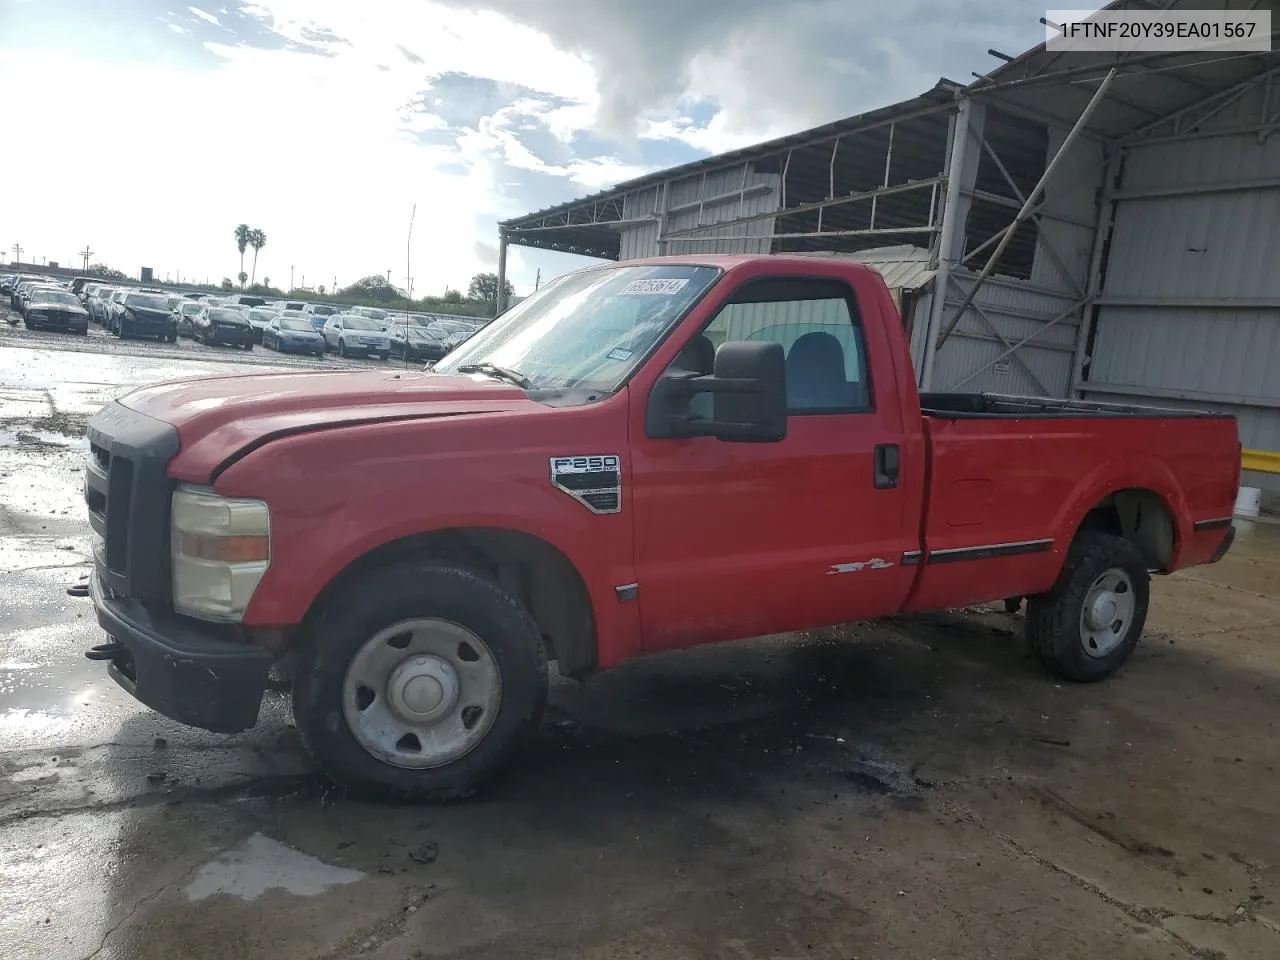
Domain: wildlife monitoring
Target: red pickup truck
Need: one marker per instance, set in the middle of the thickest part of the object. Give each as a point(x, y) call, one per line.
point(640, 457)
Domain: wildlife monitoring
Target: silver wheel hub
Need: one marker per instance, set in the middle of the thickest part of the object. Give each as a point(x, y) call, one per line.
point(1107, 613)
point(421, 693)
point(423, 689)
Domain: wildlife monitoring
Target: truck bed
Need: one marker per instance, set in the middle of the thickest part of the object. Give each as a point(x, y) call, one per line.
point(988, 406)
point(1012, 478)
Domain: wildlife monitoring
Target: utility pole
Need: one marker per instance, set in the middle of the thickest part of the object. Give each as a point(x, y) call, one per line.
point(408, 254)
point(291, 286)
point(85, 254)
point(17, 253)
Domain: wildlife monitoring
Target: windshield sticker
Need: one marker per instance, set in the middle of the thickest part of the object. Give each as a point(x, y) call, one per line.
point(662, 288)
point(619, 354)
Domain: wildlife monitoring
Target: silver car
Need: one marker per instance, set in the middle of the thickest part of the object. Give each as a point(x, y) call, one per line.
point(351, 335)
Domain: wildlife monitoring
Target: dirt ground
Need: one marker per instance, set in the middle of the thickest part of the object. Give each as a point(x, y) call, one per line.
point(912, 788)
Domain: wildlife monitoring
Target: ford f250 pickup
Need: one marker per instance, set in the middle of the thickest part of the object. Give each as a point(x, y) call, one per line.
point(640, 457)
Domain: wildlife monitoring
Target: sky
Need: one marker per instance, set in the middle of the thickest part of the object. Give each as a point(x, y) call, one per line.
point(147, 129)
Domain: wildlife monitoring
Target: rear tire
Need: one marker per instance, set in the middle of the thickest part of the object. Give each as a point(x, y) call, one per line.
point(1088, 625)
point(464, 639)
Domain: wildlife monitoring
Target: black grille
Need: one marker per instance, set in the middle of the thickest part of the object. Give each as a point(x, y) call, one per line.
point(127, 492)
point(606, 501)
point(597, 480)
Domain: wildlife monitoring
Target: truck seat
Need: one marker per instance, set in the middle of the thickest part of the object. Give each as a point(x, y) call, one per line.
point(815, 375)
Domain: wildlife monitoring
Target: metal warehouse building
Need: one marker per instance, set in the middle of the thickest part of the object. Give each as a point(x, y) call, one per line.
point(1104, 226)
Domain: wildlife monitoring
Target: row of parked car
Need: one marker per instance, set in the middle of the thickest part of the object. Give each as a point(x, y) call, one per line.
point(42, 304)
point(237, 320)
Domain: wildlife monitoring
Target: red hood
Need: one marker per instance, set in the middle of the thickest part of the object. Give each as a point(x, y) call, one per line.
point(218, 416)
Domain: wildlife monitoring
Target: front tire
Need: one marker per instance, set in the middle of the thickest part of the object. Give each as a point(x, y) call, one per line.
point(420, 679)
point(1088, 625)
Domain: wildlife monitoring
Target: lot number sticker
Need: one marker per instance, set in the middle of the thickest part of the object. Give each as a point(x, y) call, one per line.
point(662, 288)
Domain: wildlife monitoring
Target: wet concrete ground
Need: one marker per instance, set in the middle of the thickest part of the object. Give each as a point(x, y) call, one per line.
point(914, 788)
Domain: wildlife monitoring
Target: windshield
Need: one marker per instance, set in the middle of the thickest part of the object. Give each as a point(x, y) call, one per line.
point(262, 314)
point(54, 296)
point(147, 302)
point(190, 308)
point(226, 316)
point(324, 311)
point(360, 323)
point(291, 324)
point(371, 312)
point(588, 329)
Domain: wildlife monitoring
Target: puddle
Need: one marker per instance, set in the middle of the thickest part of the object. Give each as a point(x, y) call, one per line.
point(263, 864)
point(17, 437)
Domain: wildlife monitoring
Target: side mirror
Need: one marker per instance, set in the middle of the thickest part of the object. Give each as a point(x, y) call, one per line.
point(748, 391)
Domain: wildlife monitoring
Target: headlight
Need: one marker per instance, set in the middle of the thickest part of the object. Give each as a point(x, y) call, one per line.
point(221, 547)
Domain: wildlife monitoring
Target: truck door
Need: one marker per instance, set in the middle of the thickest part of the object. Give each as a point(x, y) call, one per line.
point(745, 539)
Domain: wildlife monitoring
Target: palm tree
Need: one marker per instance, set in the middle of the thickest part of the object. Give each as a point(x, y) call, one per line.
point(257, 240)
point(242, 243)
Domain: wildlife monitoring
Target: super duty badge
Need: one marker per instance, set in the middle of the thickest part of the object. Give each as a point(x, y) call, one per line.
point(594, 481)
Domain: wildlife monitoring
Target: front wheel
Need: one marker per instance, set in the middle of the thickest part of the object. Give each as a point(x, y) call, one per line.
point(1088, 625)
point(421, 680)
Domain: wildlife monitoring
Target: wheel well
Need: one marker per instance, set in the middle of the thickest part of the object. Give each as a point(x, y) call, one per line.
point(1141, 517)
point(534, 571)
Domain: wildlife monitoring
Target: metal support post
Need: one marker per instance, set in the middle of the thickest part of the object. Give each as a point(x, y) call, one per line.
point(950, 239)
point(1093, 286)
point(662, 219)
point(1080, 123)
point(888, 158)
point(500, 298)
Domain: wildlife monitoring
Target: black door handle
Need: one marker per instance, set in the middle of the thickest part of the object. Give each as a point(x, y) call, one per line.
point(886, 466)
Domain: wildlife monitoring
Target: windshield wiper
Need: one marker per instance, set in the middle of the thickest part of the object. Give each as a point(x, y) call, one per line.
point(501, 373)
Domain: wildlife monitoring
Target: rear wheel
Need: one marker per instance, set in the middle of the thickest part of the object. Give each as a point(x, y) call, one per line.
point(420, 679)
point(1088, 625)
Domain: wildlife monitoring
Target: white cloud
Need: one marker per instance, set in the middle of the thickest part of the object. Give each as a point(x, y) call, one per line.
point(315, 150)
point(203, 15)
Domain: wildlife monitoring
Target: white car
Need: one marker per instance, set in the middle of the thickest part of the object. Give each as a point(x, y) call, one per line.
point(351, 335)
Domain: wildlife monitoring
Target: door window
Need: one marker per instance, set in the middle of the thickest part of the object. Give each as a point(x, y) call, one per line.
point(817, 325)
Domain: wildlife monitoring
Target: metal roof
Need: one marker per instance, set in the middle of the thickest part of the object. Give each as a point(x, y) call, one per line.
point(1149, 86)
point(903, 266)
point(589, 225)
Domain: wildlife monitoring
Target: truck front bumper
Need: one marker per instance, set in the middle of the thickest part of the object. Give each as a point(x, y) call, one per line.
point(177, 669)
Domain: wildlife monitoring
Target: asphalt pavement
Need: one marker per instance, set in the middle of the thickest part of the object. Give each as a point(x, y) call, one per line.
point(912, 788)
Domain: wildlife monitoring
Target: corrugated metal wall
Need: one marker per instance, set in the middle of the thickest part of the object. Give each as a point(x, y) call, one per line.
point(1176, 324)
point(691, 202)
